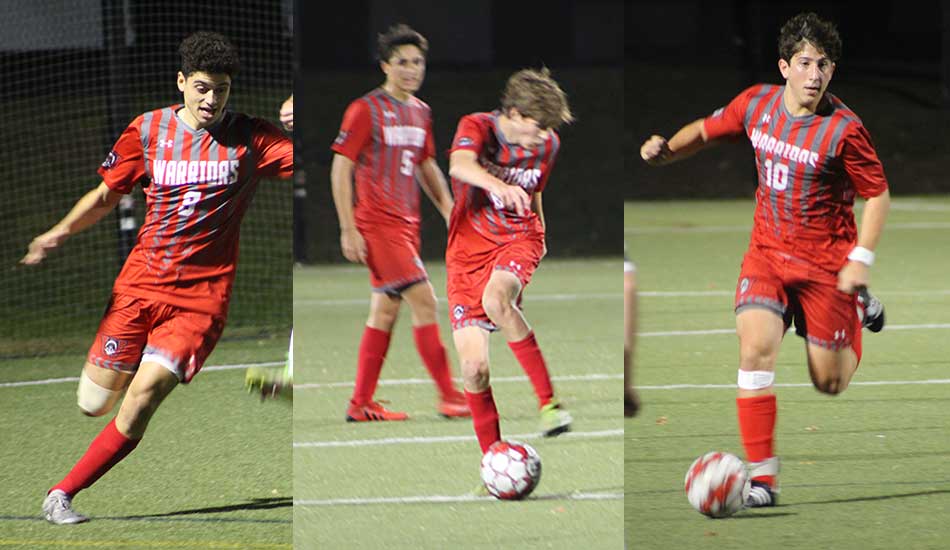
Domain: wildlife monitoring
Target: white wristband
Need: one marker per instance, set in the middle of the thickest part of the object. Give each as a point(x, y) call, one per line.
point(863, 255)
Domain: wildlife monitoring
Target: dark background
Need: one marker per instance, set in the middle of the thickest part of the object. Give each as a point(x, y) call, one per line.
point(473, 48)
point(684, 59)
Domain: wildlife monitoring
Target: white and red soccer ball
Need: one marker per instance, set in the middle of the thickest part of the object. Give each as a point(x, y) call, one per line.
point(511, 470)
point(717, 484)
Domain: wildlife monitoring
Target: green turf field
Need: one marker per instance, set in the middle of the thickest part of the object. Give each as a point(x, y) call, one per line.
point(213, 471)
point(864, 470)
point(352, 490)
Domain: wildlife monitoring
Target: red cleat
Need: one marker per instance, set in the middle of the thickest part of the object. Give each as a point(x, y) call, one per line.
point(372, 411)
point(453, 405)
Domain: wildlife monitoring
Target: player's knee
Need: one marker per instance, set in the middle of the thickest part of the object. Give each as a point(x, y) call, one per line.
point(93, 399)
point(757, 355)
point(383, 317)
point(475, 374)
point(497, 306)
point(829, 385)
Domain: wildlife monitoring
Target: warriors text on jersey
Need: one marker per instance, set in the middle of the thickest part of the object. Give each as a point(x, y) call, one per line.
point(513, 164)
point(809, 170)
point(198, 185)
point(386, 139)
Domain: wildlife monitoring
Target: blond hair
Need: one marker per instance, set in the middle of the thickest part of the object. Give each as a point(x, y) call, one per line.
point(538, 96)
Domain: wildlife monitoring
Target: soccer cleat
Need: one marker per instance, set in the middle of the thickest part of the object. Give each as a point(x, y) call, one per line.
point(554, 420)
point(873, 310)
point(761, 495)
point(58, 509)
point(454, 406)
point(268, 384)
point(372, 411)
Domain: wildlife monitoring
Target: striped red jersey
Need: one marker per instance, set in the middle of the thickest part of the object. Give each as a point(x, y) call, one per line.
point(513, 164)
point(198, 185)
point(809, 170)
point(386, 139)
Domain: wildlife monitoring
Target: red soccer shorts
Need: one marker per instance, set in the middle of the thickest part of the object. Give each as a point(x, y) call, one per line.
point(392, 255)
point(800, 292)
point(470, 261)
point(134, 330)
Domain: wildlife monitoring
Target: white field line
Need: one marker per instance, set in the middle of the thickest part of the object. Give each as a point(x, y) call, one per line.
point(733, 331)
point(427, 381)
point(701, 293)
point(440, 499)
point(938, 381)
point(76, 378)
point(442, 439)
point(651, 230)
point(442, 300)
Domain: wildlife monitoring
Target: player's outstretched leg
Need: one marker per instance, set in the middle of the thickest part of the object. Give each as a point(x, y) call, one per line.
point(760, 336)
point(372, 353)
point(499, 301)
point(425, 332)
point(271, 383)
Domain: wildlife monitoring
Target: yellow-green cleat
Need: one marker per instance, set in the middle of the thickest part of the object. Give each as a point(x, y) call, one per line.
point(554, 420)
point(269, 383)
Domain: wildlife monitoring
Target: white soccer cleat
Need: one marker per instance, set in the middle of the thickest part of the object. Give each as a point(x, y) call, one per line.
point(58, 509)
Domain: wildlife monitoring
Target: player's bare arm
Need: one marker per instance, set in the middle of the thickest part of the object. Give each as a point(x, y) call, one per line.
point(87, 211)
point(287, 113)
point(436, 188)
point(857, 273)
point(463, 165)
point(690, 139)
point(341, 180)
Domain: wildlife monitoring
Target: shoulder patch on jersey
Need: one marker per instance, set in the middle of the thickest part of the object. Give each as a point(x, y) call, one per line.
point(341, 137)
point(464, 142)
point(111, 159)
point(717, 112)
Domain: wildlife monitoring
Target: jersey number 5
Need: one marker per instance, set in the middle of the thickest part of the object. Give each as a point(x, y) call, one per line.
point(188, 202)
point(407, 166)
point(776, 175)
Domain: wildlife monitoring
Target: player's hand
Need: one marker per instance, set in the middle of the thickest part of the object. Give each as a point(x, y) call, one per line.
point(353, 245)
point(514, 198)
point(655, 151)
point(852, 276)
point(287, 114)
point(42, 246)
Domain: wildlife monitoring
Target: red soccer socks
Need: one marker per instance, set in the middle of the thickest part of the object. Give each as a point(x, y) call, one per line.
point(484, 417)
point(757, 426)
point(105, 451)
point(529, 357)
point(430, 348)
point(373, 347)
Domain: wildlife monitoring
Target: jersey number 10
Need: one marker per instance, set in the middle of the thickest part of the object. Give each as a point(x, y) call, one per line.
point(776, 175)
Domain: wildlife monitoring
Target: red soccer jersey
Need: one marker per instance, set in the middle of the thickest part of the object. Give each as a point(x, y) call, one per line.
point(198, 184)
point(513, 164)
point(386, 139)
point(809, 167)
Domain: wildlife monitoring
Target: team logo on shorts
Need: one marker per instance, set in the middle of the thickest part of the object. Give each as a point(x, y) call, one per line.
point(341, 137)
point(515, 266)
point(744, 285)
point(111, 159)
point(458, 312)
point(111, 347)
point(418, 261)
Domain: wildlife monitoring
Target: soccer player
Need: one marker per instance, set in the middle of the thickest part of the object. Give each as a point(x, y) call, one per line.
point(386, 140)
point(631, 403)
point(500, 163)
point(199, 165)
point(806, 261)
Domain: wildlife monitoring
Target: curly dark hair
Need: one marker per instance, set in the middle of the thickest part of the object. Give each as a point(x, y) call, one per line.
point(399, 35)
point(208, 52)
point(808, 27)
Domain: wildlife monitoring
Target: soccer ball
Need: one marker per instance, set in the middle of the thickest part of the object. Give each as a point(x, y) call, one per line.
point(717, 484)
point(511, 470)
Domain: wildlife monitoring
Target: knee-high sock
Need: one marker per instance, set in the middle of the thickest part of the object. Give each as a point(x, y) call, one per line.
point(757, 426)
point(484, 417)
point(105, 451)
point(373, 347)
point(430, 348)
point(529, 356)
